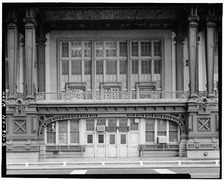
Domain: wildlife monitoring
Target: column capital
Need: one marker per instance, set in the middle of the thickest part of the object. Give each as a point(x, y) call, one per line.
point(30, 19)
point(179, 39)
point(211, 16)
point(30, 22)
point(193, 17)
point(41, 40)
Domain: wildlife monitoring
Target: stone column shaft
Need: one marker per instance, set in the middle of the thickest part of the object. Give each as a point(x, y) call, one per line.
point(179, 64)
point(30, 52)
point(41, 64)
point(193, 53)
point(210, 50)
point(12, 39)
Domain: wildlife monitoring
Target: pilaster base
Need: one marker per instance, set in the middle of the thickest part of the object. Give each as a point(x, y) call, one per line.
point(203, 154)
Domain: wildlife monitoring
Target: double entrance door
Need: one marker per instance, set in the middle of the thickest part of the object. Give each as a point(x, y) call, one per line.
point(117, 145)
point(113, 145)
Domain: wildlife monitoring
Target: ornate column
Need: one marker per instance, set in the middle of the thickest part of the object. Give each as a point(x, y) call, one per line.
point(41, 60)
point(179, 63)
point(193, 51)
point(30, 50)
point(13, 44)
point(210, 50)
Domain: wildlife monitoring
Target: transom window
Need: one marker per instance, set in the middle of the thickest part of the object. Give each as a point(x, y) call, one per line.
point(63, 132)
point(155, 128)
point(110, 49)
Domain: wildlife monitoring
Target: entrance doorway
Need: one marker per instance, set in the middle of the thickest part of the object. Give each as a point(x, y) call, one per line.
point(112, 145)
point(101, 147)
point(123, 145)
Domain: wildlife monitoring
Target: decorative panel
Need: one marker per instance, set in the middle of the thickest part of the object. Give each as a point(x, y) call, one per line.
point(34, 124)
point(204, 124)
point(190, 123)
point(20, 126)
point(217, 122)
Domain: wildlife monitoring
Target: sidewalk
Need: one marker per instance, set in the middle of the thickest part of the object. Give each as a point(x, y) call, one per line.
point(94, 163)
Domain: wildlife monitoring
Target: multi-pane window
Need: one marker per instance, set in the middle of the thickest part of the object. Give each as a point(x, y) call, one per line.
point(111, 67)
point(146, 66)
point(63, 132)
point(161, 127)
point(173, 132)
point(65, 50)
point(123, 67)
point(99, 49)
point(76, 49)
point(74, 131)
point(146, 60)
point(123, 49)
point(89, 125)
point(111, 61)
point(146, 48)
point(51, 133)
point(156, 128)
point(157, 48)
point(99, 67)
point(88, 67)
point(76, 67)
point(65, 67)
point(101, 122)
point(157, 67)
point(123, 125)
point(133, 125)
point(111, 48)
point(150, 131)
point(135, 67)
point(112, 125)
point(76, 64)
point(87, 49)
point(134, 49)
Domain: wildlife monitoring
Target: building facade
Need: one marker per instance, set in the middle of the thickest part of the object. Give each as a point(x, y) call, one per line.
point(111, 81)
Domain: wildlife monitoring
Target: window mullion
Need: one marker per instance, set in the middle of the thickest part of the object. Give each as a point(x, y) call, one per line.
point(68, 132)
point(139, 49)
point(104, 70)
point(118, 69)
point(83, 70)
point(155, 132)
point(139, 69)
point(56, 133)
point(167, 130)
point(152, 69)
point(152, 54)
